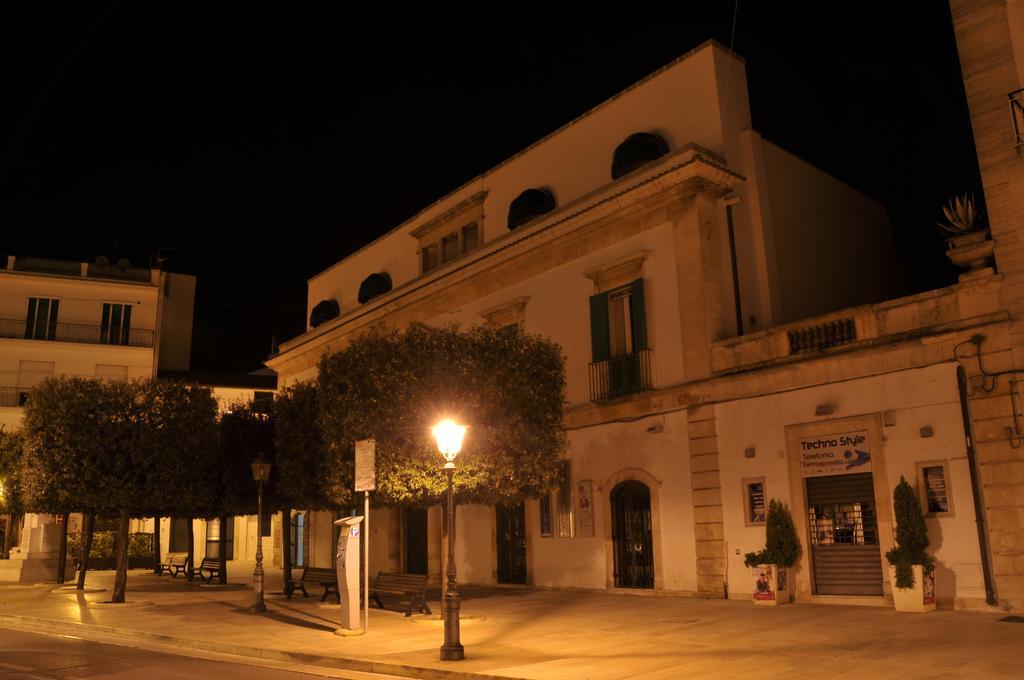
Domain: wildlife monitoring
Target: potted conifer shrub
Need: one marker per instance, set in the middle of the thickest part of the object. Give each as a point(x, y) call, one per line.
point(770, 566)
point(911, 569)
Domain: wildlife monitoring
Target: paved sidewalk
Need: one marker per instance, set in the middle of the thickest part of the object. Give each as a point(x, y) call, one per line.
point(538, 634)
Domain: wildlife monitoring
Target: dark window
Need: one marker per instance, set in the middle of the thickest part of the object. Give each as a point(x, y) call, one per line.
point(179, 534)
point(116, 324)
point(618, 336)
point(449, 247)
point(564, 495)
point(545, 515)
point(470, 237)
point(636, 151)
point(41, 319)
point(262, 402)
point(528, 205)
point(618, 322)
point(431, 257)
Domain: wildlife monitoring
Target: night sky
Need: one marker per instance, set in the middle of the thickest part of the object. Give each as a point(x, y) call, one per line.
point(254, 148)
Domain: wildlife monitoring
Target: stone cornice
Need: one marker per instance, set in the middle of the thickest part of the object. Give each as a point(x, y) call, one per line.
point(474, 201)
point(684, 173)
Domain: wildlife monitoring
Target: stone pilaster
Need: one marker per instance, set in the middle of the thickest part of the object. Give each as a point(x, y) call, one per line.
point(706, 493)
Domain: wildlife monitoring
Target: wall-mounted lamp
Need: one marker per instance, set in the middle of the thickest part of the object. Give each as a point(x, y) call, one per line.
point(749, 452)
point(926, 432)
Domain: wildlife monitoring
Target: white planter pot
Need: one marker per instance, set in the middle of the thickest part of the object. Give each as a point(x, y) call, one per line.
point(920, 598)
point(973, 251)
point(771, 584)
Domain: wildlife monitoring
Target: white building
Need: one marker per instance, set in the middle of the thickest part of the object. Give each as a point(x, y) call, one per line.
point(60, 318)
point(692, 272)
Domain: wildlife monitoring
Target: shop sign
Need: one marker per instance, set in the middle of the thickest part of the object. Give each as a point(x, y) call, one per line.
point(835, 454)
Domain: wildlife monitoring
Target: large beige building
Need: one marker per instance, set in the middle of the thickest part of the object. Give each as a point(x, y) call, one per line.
point(95, 320)
point(731, 322)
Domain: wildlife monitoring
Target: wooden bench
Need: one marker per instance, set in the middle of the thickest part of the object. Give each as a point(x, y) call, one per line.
point(317, 576)
point(210, 566)
point(409, 591)
point(175, 564)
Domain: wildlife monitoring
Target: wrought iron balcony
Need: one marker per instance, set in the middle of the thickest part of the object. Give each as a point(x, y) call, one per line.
point(621, 375)
point(76, 332)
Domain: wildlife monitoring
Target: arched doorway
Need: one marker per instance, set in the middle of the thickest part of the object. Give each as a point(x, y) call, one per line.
point(632, 539)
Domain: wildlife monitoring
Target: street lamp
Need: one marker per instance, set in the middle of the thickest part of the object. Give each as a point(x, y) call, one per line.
point(449, 440)
point(261, 473)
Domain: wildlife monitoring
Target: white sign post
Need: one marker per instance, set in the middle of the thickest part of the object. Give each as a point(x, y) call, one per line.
point(366, 481)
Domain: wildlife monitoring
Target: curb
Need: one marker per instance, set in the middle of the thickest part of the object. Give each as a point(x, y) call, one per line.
point(93, 632)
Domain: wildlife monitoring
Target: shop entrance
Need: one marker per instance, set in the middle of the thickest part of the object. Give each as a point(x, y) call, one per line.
point(416, 541)
point(843, 526)
point(510, 534)
point(631, 535)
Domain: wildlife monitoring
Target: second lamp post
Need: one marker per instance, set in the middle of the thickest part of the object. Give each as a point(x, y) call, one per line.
point(449, 440)
point(261, 473)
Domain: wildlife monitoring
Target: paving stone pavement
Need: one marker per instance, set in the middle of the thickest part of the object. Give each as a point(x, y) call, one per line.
point(532, 633)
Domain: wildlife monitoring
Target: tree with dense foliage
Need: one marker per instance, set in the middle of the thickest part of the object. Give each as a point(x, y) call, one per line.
point(11, 444)
point(911, 536)
point(781, 544)
point(66, 436)
point(507, 386)
point(119, 449)
point(310, 477)
point(178, 426)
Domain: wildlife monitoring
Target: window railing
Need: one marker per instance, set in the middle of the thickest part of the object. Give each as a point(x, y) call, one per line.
point(621, 375)
point(1017, 114)
point(822, 336)
point(76, 332)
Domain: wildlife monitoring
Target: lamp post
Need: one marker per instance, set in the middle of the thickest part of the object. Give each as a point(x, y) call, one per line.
point(261, 473)
point(449, 440)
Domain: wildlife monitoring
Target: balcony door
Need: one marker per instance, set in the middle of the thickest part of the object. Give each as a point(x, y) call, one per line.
point(618, 333)
point(41, 318)
point(116, 324)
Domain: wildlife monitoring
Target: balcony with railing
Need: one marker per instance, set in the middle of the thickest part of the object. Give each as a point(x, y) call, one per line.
point(850, 329)
point(620, 375)
point(76, 332)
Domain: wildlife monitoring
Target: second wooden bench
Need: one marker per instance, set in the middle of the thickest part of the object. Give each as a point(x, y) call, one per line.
point(408, 591)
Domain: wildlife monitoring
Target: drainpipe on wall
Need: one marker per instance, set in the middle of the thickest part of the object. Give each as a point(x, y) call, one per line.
point(979, 509)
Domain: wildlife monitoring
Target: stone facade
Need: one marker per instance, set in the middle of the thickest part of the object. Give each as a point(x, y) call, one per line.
point(990, 40)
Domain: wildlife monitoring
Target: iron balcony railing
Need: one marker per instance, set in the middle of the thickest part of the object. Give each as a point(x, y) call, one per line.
point(822, 336)
point(621, 375)
point(13, 396)
point(76, 332)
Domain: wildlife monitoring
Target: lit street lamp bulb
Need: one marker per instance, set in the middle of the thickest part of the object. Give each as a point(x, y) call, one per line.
point(449, 438)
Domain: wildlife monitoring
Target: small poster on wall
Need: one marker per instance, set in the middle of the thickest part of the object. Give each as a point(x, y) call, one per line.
point(835, 454)
point(764, 583)
point(585, 498)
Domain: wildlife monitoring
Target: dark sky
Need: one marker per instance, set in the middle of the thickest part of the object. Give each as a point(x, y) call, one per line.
point(257, 147)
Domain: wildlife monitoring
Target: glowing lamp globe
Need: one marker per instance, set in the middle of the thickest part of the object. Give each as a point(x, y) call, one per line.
point(449, 439)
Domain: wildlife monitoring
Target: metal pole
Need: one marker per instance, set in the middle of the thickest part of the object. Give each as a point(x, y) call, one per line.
point(366, 561)
point(452, 649)
point(257, 576)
